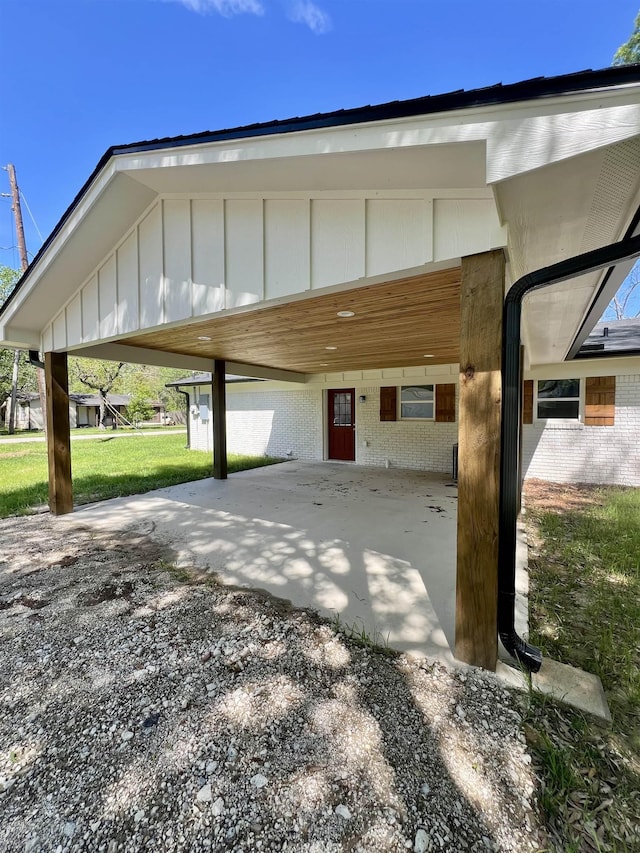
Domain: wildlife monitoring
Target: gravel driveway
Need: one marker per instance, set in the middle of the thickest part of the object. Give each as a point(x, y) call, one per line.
point(149, 709)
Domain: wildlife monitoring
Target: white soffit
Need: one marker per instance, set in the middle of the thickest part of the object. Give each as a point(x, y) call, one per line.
point(453, 166)
point(571, 208)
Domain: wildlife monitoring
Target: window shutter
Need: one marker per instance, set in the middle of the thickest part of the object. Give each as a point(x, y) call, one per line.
point(600, 401)
point(389, 404)
point(446, 403)
point(527, 401)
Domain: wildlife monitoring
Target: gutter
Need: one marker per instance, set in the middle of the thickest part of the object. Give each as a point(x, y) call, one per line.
point(34, 359)
point(627, 249)
point(187, 412)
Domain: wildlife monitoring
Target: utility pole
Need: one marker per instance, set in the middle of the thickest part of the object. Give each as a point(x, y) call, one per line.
point(24, 263)
point(17, 214)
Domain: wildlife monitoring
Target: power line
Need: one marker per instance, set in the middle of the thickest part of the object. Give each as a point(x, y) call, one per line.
point(35, 224)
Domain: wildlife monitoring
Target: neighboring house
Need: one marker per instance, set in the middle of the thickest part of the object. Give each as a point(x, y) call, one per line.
point(581, 419)
point(84, 411)
point(381, 253)
point(28, 414)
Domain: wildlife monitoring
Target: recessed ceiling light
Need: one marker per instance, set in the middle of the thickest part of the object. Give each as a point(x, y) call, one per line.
point(428, 356)
point(324, 364)
point(346, 314)
point(204, 338)
point(331, 348)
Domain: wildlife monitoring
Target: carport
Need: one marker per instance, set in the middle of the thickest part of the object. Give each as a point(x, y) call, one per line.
point(355, 242)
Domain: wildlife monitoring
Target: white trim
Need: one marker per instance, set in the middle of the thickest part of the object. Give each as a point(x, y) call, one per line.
point(551, 422)
point(431, 385)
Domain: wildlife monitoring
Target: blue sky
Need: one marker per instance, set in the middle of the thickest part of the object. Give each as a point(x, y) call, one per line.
point(79, 76)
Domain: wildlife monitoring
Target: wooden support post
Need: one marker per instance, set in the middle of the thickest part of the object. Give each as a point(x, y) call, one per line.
point(481, 300)
point(58, 436)
point(218, 396)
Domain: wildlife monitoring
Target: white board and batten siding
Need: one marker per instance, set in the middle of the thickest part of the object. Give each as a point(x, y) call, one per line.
point(193, 257)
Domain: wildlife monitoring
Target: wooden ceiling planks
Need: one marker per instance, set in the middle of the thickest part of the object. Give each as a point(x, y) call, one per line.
point(395, 324)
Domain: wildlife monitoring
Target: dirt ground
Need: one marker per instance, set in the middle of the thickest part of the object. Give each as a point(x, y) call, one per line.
point(144, 708)
point(559, 497)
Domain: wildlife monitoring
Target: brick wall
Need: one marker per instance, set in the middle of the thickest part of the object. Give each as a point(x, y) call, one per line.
point(280, 422)
point(271, 422)
point(292, 422)
point(276, 423)
point(574, 453)
point(422, 445)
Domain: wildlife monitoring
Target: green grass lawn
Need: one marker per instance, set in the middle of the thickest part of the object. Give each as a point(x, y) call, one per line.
point(106, 467)
point(38, 433)
point(585, 611)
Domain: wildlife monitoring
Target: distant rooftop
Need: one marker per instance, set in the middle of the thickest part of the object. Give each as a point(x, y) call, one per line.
point(205, 379)
point(612, 337)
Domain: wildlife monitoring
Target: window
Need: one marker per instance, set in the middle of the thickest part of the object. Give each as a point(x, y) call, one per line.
point(341, 408)
point(559, 398)
point(205, 412)
point(416, 401)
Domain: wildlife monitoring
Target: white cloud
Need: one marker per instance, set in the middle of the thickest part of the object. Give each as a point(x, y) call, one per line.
point(300, 11)
point(306, 12)
point(227, 8)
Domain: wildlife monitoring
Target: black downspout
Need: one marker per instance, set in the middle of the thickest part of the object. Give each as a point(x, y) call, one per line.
point(188, 413)
point(34, 359)
point(627, 249)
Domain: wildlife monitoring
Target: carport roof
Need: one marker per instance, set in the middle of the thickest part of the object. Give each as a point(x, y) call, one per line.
point(527, 90)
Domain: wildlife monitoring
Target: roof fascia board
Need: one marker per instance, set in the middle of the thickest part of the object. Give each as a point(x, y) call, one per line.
point(16, 338)
point(140, 355)
point(597, 119)
point(624, 363)
point(158, 358)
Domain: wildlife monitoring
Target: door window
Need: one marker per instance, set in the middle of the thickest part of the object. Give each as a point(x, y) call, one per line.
point(342, 408)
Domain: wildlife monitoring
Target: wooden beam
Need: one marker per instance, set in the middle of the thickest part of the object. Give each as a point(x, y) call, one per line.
point(218, 396)
point(58, 436)
point(481, 300)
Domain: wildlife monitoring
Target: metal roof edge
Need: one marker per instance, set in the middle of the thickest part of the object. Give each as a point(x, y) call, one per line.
point(598, 354)
point(526, 90)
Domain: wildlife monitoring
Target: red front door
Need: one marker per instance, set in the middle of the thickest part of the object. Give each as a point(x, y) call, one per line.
point(342, 424)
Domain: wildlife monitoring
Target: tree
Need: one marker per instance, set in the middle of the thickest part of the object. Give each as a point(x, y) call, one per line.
point(8, 279)
point(149, 382)
point(626, 303)
point(100, 376)
point(139, 410)
point(629, 52)
point(16, 374)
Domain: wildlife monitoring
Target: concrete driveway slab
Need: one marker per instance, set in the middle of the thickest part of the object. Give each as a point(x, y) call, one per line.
point(374, 548)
